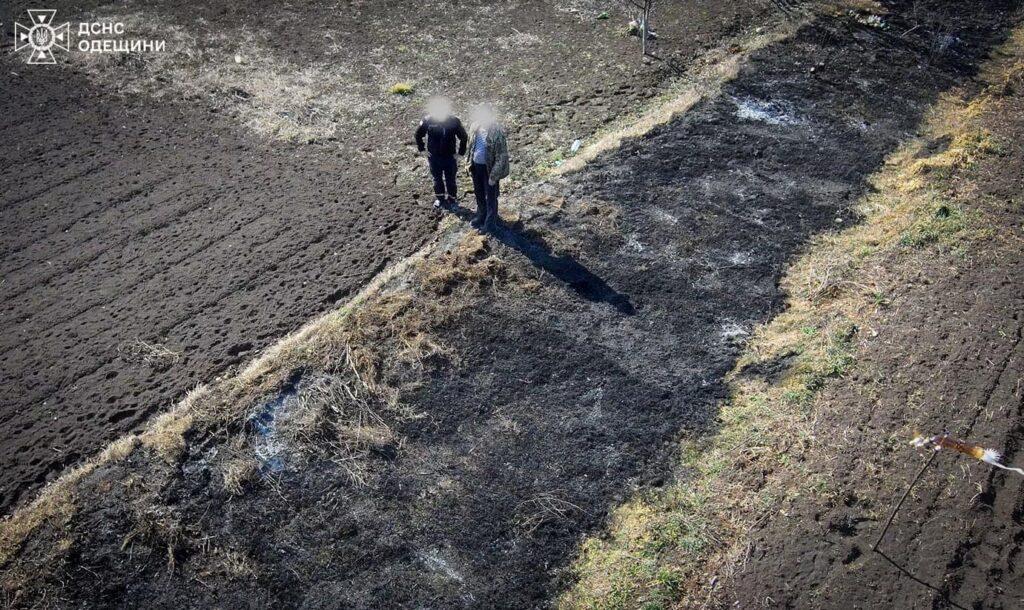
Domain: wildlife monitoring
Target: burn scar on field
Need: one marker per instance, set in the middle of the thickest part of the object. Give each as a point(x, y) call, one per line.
point(488, 418)
point(563, 398)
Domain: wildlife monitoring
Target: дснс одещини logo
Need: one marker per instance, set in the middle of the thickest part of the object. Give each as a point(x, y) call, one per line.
point(104, 36)
point(42, 36)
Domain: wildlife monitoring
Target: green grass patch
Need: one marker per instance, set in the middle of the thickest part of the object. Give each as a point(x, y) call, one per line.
point(941, 226)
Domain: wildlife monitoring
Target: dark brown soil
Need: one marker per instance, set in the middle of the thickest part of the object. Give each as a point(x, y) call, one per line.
point(572, 396)
point(125, 219)
point(948, 355)
point(129, 221)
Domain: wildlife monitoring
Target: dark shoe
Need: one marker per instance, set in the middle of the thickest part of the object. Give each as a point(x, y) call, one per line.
point(477, 221)
point(438, 203)
point(452, 204)
point(490, 227)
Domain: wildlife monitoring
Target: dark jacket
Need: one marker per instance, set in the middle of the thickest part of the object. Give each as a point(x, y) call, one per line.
point(441, 136)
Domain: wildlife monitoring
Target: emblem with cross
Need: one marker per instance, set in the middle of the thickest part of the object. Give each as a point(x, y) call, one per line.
point(41, 36)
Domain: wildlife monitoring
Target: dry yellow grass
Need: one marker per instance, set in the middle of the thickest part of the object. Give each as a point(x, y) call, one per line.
point(468, 266)
point(387, 322)
point(282, 100)
point(233, 565)
point(167, 435)
point(402, 88)
point(276, 88)
point(55, 503)
point(54, 506)
point(237, 473)
point(118, 450)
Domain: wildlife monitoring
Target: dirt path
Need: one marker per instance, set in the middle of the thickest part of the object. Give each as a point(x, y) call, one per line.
point(530, 401)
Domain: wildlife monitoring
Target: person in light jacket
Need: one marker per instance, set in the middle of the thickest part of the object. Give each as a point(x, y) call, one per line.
point(488, 164)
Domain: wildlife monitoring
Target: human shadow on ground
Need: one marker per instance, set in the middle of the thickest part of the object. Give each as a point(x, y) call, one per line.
point(565, 268)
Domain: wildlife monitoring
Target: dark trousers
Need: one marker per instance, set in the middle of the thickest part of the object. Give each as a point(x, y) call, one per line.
point(486, 196)
point(443, 171)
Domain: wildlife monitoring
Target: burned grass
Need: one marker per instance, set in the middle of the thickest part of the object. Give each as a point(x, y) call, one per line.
point(244, 110)
point(359, 361)
point(703, 79)
point(952, 310)
point(684, 546)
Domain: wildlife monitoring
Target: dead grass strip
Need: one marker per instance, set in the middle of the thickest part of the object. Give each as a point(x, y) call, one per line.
point(387, 323)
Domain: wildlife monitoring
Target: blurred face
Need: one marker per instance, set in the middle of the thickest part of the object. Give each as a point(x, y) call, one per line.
point(439, 108)
point(484, 115)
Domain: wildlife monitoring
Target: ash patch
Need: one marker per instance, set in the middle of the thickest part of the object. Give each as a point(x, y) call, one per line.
point(269, 447)
point(773, 113)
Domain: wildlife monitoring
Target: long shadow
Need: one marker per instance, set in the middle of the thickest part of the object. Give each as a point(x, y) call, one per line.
point(565, 268)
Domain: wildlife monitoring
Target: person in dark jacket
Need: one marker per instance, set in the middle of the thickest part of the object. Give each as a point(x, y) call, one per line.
point(441, 129)
point(488, 164)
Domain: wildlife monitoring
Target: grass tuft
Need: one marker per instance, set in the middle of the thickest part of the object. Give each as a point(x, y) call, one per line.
point(403, 88)
point(238, 473)
point(157, 528)
point(167, 435)
point(466, 267)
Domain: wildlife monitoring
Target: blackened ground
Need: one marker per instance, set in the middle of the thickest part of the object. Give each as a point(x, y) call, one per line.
point(948, 355)
point(565, 401)
point(128, 220)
